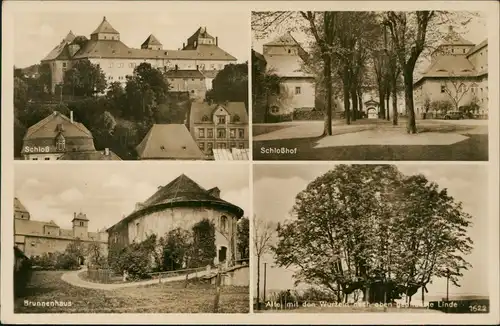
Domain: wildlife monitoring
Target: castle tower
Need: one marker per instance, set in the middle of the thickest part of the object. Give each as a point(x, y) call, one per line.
point(20, 211)
point(200, 37)
point(105, 32)
point(151, 43)
point(80, 226)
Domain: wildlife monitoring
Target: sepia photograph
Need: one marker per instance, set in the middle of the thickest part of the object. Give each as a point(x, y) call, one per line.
point(370, 85)
point(370, 239)
point(131, 86)
point(151, 239)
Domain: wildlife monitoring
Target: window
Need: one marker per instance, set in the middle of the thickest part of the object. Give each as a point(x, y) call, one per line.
point(201, 132)
point(192, 79)
point(64, 64)
point(61, 144)
point(289, 51)
point(241, 133)
point(221, 133)
point(205, 118)
point(232, 145)
point(120, 65)
point(297, 90)
point(82, 223)
point(47, 159)
point(212, 66)
point(241, 145)
point(443, 88)
point(111, 64)
point(221, 119)
point(275, 109)
point(223, 224)
point(221, 145)
point(210, 133)
point(202, 146)
point(236, 118)
point(210, 146)
point(35, 159)
point(192, 91)
point(232, 133)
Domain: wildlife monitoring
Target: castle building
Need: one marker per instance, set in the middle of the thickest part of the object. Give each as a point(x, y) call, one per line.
point(219, 126)
point(458, 73)
point(118, 60)
point(36, 238)
point(58, 137)
point(285, 57)
point(181, 203)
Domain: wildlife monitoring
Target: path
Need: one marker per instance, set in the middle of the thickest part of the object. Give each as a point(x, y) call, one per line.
point(73, 279)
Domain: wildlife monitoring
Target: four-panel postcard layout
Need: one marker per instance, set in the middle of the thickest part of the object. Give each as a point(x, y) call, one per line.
point(364, 175)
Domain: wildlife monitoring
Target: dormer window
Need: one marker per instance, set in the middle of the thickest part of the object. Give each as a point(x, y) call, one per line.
point(236, 118)
point(60, 143)
point(221, 119)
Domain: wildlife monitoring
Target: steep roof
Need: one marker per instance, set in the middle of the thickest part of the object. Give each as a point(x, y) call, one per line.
point(286, 66)
point(285, 39)
point(151, 40)
point(210, 73)
point(182, 191)
point(105, 27)
point(478, 47)
point(200, 109)
point(169, 141)
point(184, 74)
point(19, 207)
point(90, 156)
point(201, 32)
point(454, 65)
point(60, 51)
point(48, 128)
point(117, 49)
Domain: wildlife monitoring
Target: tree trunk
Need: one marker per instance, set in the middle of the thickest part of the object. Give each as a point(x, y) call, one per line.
point(258, 282)
point(328, 86)
point(411, 126)
point(423, 297)
point(394, 103)
point(360, 101)
point(387, 100)
point(381, 96)
point(354, 98)
point(346, 92)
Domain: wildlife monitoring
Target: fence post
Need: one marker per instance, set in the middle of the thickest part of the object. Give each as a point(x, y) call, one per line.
point(217, 291)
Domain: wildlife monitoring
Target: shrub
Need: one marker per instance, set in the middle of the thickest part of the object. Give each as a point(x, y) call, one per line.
point(308, 115)
point(279, 117)
point(22, 272)
point(441, 106)
point(66, 261)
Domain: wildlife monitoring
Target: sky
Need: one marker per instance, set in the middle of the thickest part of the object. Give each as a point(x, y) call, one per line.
point(275, 188)
point(36, 34)
point(475, 31)
point(106, 192)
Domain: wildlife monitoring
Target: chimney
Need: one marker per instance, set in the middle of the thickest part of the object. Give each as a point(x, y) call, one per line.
point(71, 116)
point(217, 41)
point(215, 192)
point(106, 151)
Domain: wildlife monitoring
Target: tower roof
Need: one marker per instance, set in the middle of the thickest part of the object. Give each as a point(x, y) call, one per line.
point(18, 206)
point(80, 216)
point(151, 40)
point(201, 32)
point(70, 37)
point(285, 39)
point(105, 27)
point(454, 38)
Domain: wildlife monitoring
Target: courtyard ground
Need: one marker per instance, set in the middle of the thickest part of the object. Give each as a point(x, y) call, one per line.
point(437, 140)
point(172, 297)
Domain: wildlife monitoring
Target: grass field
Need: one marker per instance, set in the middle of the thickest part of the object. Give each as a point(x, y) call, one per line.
point(171, 297)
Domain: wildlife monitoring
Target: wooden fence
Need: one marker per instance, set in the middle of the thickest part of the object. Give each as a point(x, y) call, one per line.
point(101, 275)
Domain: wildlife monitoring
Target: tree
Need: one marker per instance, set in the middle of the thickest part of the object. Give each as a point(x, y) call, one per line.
point(262, 236)
point(204, 250)
point(230, 84)
point(95, 255)
point(176, 249)
point(84, 79)
point(371, 228)
point(243, 237)
point(412, 32)
point(456, 88)
point(265, 84)
point(20, 92)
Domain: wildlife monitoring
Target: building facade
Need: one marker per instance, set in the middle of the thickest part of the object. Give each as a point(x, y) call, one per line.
point(222, 126)
point(117, 60)
point(181, 204)
point(58, 137)
point(191, 81)
point(285, 57)
point(458, 74)
point(36, 238)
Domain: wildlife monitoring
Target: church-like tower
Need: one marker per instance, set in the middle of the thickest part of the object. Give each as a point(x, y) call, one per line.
point(105, 32)
point(80, 226)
